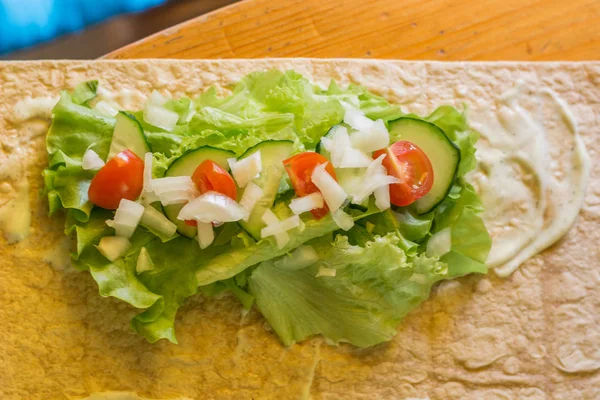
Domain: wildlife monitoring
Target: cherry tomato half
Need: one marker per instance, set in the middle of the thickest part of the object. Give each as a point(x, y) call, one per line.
point(210, 176)
point(300, 168)
point(410, 164)
point(120, 178)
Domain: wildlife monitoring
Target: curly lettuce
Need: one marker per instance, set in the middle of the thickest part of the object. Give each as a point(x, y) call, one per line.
point(381, 272)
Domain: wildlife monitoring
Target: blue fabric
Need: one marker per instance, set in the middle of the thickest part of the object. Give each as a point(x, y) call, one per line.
point(26, 22)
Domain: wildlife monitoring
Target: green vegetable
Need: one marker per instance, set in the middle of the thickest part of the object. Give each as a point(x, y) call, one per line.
point(381, 272)
point(375, 286)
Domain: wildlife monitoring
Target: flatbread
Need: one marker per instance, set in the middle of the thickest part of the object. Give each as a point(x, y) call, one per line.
point(534, 335)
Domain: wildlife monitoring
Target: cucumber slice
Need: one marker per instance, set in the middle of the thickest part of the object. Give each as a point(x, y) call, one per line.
point(185, 166)
point(443, 154)
point(273, 153)
point(128, 134)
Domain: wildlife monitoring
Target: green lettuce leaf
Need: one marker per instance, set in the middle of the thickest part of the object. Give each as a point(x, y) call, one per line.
point(471, 242)
point(375, 286)
point(84, 92)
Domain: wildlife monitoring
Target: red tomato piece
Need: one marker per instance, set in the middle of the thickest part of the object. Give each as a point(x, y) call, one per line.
point(120, 178)
point(410, 164)
point(300, 168)
point(209, 176)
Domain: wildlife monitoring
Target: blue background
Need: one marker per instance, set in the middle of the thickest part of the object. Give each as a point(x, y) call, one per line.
point(26, 22)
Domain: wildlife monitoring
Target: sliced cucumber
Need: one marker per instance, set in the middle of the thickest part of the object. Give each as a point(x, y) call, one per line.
point(443, 154)
point(185, 166)
point(128, 134)
point(273, 153)
point(348, 178)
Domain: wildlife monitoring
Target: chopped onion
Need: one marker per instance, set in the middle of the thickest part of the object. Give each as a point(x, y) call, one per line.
point(174, 190)
point(343, 220)
point(302, 257)
point(128, 216)
point(113, 247)
point(169, 184)
point(382, 197)
point(148, 195)
point(91, 160)
point(370, 136)
point(212, 206)
point(281, 226)
point(251, 195)
point(106, 108)
point(304, 204)
point(176, 197)
point(157, 98)
point(155, 220)
point(160, 117)
point(246, 169)
point(375, 177)
point(269, 218)
point(144, 262)
point(354, 158)
point(439, 243)
point(206, 235)
point(332, 192)
point(343, 155)
point(323, 271)
point(357, 120)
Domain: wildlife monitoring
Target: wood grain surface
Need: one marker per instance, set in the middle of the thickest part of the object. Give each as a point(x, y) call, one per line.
point(525, 30)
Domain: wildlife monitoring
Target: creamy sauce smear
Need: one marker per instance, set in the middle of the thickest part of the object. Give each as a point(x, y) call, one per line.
point(527, 207)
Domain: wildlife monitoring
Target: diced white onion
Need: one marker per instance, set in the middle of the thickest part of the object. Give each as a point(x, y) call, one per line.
point(245, 170)
point(375, 177)
point(357, 120)
point(160, 117)
point(155, 220)
point(370, 136)
point(439, 243)
point(324, 271)
point(176, 197)
point(148, 160)
point(148, 196)
point(128, 216)
point(174, 190)
point(343, 220)
point(304, 204)
point(354, 158)
point(251, 195)
point(382, 197)
point(169, 184)
point(144, 262)
point(342, 154)
point(302, 257)
point(106, 108)
point(331, 191)
point(281, 226)
point(113, 247)
point(91, 160)
point(206, 235)
point(212, 206)
point(157, 98)
point(269, 218)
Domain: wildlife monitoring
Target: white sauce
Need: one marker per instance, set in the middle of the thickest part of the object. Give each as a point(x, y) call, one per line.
point(15, 215)
point(527, 208)
point(38, 107)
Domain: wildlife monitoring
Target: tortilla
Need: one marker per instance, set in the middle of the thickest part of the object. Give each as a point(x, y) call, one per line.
point(534, 335)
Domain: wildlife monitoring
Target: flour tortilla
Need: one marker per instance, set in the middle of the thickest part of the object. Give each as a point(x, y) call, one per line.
point(535, 335)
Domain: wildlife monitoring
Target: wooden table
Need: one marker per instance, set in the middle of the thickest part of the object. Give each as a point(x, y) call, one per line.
point(401, 29)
